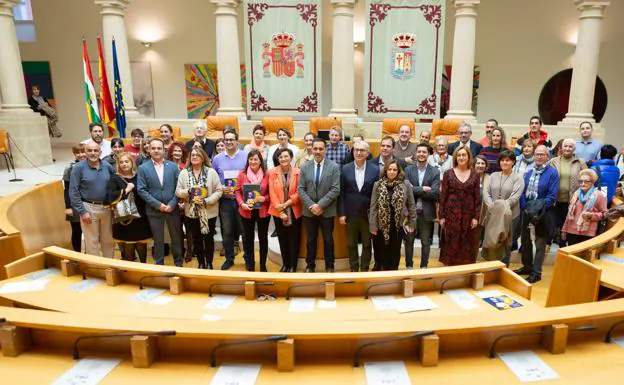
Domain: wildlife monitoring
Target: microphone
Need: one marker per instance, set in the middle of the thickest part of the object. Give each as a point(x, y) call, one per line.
point(168, 275)
point(608, 338)
point(84, 271)
point(540, 332)
point(213, 353)
point(314, 284)
point(76, 353)
point(267, 283)
point(356, 356)
point(368, 289)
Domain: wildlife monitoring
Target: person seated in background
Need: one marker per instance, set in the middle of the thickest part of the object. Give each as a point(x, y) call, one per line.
point(70, 214)
point(608, 173)
point(404, 149)
point(587, 148)
point(117, 148)
point(257, 143)
point(96, 131)
point(200, 130)
point(489, 126)
point(441, 158)
point(465, 132)
point(283, 141)
point(588, 206)
point(40, 104)
point(166, 134)
point(536, 134)
point(177, 154)
point(497, 144)
point(134, 148)
point(337, 151)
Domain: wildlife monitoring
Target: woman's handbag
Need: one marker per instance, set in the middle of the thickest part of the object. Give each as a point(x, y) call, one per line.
point(125, 210)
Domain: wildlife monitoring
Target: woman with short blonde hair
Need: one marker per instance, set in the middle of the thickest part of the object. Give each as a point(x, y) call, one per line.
point(587, 208)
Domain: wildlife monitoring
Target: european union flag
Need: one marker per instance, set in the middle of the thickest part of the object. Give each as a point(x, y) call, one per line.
point(120, 111)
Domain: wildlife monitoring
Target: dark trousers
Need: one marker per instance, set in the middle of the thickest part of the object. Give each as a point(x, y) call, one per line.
point(312, 225)
point(249, 225)
point(203, 244)
point(561, 212)
point(157, 224)
point(289, 238)
point(230, 226)
point(388, 255)
point(129, 249)
point(76, 236)
point(357, 228)
point(526, 249)
point(424, 232)
point(573, 239)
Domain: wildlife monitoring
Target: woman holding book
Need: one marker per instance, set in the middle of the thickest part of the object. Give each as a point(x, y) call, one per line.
point(253, 181)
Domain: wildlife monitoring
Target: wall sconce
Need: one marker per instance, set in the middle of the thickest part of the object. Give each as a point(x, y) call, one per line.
point(357, 44)
point(146, 44)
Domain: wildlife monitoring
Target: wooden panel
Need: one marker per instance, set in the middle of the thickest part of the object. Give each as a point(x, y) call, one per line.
point(26, 265)
point(11, 249)
point(580, 249)
point(515, 283)
point(574, 281)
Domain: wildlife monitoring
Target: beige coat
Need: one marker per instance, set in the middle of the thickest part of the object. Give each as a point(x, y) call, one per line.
point(213, 185)
point(575, 170)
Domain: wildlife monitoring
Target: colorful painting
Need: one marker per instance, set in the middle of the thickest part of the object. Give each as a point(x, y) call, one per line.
point(445, 102)
point(202, 90)
point(38, 72)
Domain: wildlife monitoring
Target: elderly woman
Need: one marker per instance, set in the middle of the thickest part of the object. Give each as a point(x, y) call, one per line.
point(283, 141)
point(587, 207)
point(392, 208)
point(440, 158)
point(258, 143)
point(502, 218)
point(569, 168)
point(305, 154)
point(497, 144)
point(460, 208)
point(525, 161)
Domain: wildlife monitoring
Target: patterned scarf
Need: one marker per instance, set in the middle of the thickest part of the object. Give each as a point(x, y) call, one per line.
point(522, 163)
point(385, 202)
point(532, 189)
point(285, 178)
point(198, 210)
point(588, 201)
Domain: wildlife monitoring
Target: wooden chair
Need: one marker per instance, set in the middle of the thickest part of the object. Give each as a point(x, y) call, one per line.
point(5, 150)
point(446, 128)
point(217, 123)
point(274, 123)
point(323, 123)
point(391, 127)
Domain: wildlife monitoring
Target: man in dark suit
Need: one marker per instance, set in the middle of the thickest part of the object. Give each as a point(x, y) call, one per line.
point(319, 188)
point(200, 130)
point(465, 132)
point(385, 155)
point(356, 187)
point(157, 180)
point(425, 180)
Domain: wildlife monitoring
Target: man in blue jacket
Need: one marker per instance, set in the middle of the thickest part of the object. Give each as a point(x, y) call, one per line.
point(537, 203)
point(608, 172)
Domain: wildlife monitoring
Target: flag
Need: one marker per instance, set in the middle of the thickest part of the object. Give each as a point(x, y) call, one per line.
point(91, 99)
point(108, 111)
point(120, 111)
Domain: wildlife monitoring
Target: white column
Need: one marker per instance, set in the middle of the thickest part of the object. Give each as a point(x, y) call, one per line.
point(464, 41)
point(585, 68)
point(343, 67)
point(12, 86)
point(228, 58)
point(114, 26)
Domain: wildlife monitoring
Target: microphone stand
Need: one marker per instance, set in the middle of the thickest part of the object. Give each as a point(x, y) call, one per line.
point(76, 353)
point(356, 356)
point(314, 284)
point(213, 353)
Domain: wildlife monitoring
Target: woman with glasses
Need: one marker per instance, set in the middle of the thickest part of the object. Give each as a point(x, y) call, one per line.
point(134, 148)
point(587, 208)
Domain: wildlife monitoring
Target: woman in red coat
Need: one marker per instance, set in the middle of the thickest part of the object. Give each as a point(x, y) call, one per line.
point(253, 207)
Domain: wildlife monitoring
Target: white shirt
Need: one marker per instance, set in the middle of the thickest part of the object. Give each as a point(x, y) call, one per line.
point(160, 171)
point(360, 172)
point(105, 146)
point(421, 176)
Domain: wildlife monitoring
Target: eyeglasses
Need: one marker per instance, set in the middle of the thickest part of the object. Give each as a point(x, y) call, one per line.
point(229, 140)
point(266, 297)
point(583, 181)
point(359, 150)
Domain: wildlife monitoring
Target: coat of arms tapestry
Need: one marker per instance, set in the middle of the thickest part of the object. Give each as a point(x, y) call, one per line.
point(283, 57)
point(403, 58)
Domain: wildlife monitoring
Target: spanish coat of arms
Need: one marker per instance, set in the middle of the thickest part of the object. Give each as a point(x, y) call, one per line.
point(403, 57)
point(286, 59)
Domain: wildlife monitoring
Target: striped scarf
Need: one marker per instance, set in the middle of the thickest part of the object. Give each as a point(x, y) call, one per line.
point(533, 187)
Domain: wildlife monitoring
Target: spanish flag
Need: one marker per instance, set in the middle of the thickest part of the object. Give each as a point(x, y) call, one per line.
point(108, 110)
point(91, 99)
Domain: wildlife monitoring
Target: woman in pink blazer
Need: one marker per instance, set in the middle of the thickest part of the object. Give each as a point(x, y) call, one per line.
point(253, 207)
point(286, 208)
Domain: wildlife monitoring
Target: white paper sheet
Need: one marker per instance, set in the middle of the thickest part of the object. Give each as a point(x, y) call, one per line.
point(611, 258)
point(220, 301)
point(528, 366)
point(236, 374)
point(301, 305)
point(463, 299)
point(211, 317)
point(161, 300)
point(322, 304)
point(419, 303)
point(618, 341)
point(85, 284)
point(45, 273)
point(489, 293)
point(147, 294)
point(23, 287)
point(383, 302)
point(390, 372)
point(89, 371)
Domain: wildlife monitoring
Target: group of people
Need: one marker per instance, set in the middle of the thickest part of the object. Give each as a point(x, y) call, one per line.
point(483, 193)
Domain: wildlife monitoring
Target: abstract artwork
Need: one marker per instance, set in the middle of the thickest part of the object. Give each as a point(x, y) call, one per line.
point(202, 90)
point(445, 95)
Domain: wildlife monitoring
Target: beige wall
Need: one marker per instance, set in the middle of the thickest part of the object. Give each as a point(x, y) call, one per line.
point(520, 45)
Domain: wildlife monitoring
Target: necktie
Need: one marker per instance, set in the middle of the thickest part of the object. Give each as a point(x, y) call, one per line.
point(317, 177)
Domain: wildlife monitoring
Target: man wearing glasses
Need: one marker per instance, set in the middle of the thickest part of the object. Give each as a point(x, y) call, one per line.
point(489, 126)
point(537, 203)
point(134, 148)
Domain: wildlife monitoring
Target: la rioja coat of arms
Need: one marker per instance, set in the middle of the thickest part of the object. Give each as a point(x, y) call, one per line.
point(403, 57)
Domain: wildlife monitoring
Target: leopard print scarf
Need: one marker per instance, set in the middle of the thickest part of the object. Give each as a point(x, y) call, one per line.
point(385, 203)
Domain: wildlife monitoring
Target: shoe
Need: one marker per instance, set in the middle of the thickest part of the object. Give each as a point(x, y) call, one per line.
point(200, 264)
point(329, 270)
point(292, 270)
point(263, 268)
point(533, 278)
point(310, 269)
point(227, 264)
point(284, 269)
point(250, 268)
point(274, 234)
point(208, 266)
point(524, 271)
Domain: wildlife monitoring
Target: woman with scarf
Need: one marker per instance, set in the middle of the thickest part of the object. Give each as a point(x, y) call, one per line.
point(525, 161)
point(254, 174)
point(441, 158)
point(286, 208)
point(199, 186)
point(258, 143)
point(460, 209)
point(392, 209)
point(587, 208)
